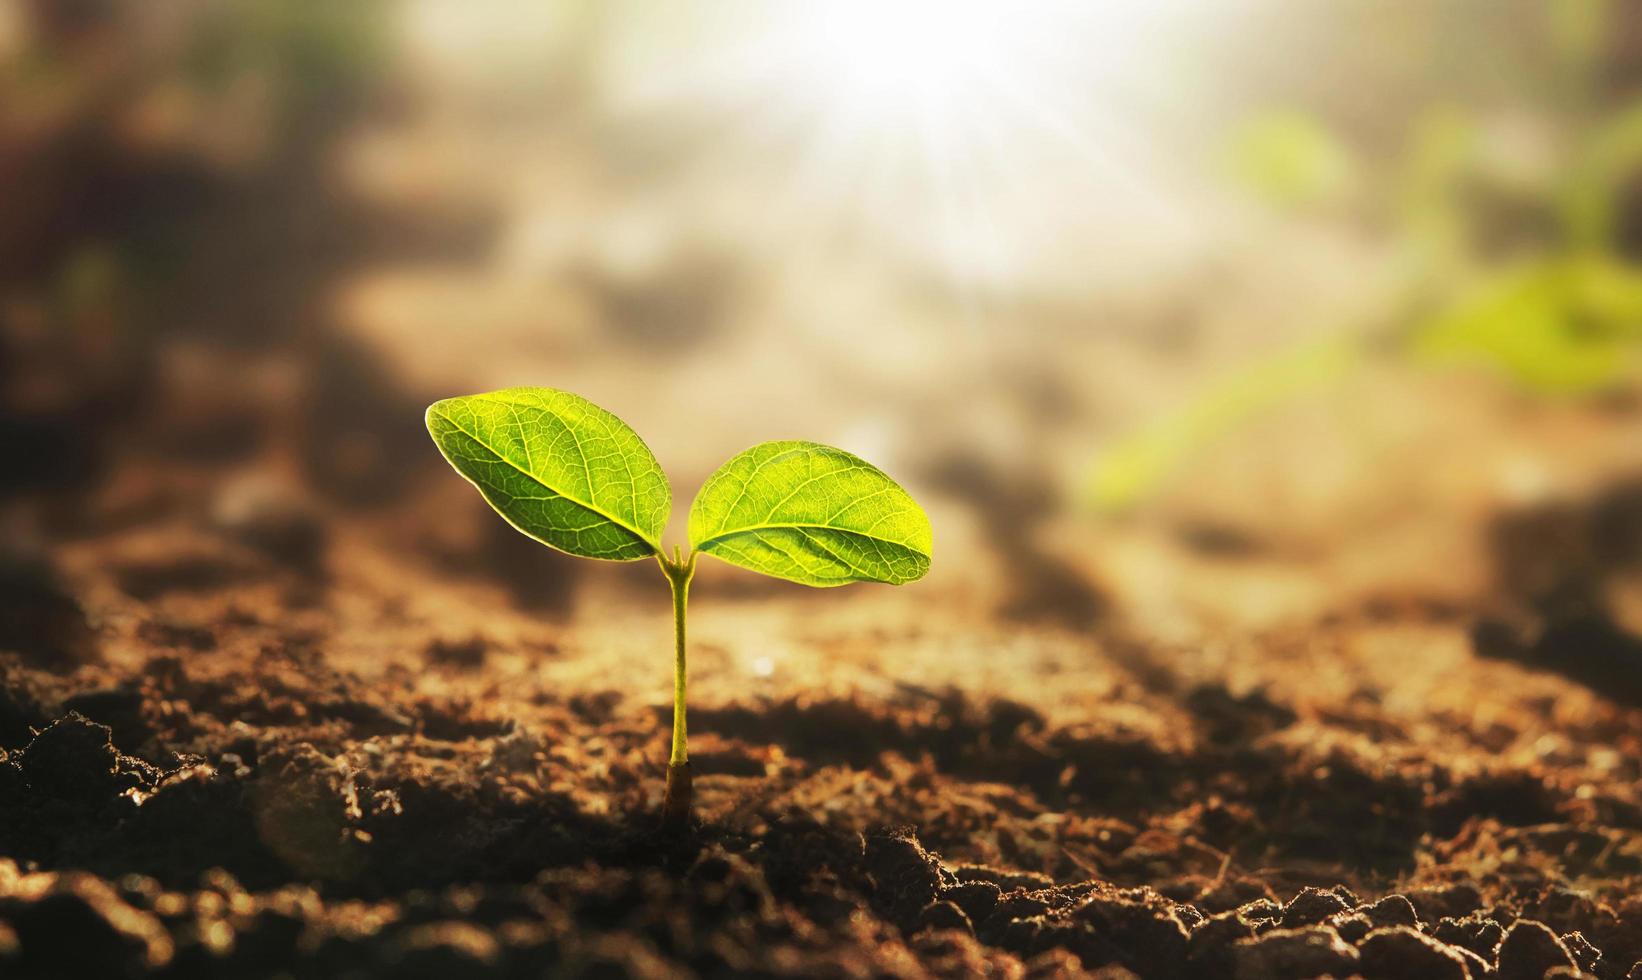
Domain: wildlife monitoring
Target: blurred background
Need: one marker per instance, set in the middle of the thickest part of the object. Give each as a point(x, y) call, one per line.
point(1186, 319)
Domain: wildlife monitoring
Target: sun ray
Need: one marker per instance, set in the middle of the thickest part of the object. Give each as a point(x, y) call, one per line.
point(935, 130)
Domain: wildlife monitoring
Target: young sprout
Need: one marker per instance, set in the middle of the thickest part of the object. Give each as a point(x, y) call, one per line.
point(576, 478)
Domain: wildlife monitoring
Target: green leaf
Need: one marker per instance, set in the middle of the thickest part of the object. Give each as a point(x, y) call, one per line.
point(1290, 160)
point(1564, 325)
point(559, 468)
point(811, 514)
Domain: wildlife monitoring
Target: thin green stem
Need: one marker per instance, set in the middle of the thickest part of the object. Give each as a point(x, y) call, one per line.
point(679, 572)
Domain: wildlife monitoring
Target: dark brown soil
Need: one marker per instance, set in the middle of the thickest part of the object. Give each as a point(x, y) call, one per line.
point(297, 751)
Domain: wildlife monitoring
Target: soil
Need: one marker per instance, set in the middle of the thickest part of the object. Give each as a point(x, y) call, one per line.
point(247, 732)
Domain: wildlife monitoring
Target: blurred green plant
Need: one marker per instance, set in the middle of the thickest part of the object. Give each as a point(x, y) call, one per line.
point(1290, 160)
point(573, 476)
point(1559, 325)
point(1135, 466)
point(1566, 318)
point(308, 52)
point(1561, 316)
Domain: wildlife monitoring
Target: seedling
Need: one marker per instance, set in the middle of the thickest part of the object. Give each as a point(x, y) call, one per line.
point(571, 475)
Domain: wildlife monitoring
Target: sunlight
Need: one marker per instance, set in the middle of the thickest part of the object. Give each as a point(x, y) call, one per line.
point(896, 59)
point(942, 126)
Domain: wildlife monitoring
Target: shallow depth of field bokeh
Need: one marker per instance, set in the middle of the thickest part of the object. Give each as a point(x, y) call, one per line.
point(1276, 346)
point(1141, 298)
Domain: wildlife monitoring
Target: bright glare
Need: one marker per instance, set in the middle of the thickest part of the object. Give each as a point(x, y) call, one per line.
point(900, 58)
point(977, 135)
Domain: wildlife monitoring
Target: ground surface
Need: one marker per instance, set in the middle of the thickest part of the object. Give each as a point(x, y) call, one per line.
point(248, 733)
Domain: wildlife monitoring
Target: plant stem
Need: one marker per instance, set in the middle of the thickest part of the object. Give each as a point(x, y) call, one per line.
point(676, 805)
point(679, 578)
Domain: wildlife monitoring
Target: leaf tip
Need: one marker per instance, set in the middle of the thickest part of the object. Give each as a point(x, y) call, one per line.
point(435, 412)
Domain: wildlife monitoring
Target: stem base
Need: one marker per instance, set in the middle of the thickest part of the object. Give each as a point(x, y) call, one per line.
point(675, 807)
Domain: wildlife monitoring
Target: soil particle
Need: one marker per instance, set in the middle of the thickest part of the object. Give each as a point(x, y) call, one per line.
point(1586, 956)
point(1444, 901)
point(435, 950)
point(1351, 926)
point(40, 620)
point(1600, 923)
point(1554, 565)
point(1231, 892)
point(612, 956)
point(1263, 913)
point(1401, 951)
point(1002, 879)
point(304, 804)
point(1015, 928)
point(955, 954)
point(1015, 908)
point(74, 924)
point(1479, 968)
point(1481, 936)
point(1225, 718)
point(73, 761)
point(1517, 798)
point(197, 818)
point(1313, 906)
point(467, 653)
point(1529, 950)
point(821, 868)
point(943, 915)
point(1590, 647)
point(1212, 945)
point(119, 708)
point(726, 888)
point(906, 878)
point(1054, 963)
point(977, 899)
point(1392, 910)
point(1136, 929)
point(1293, 954)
